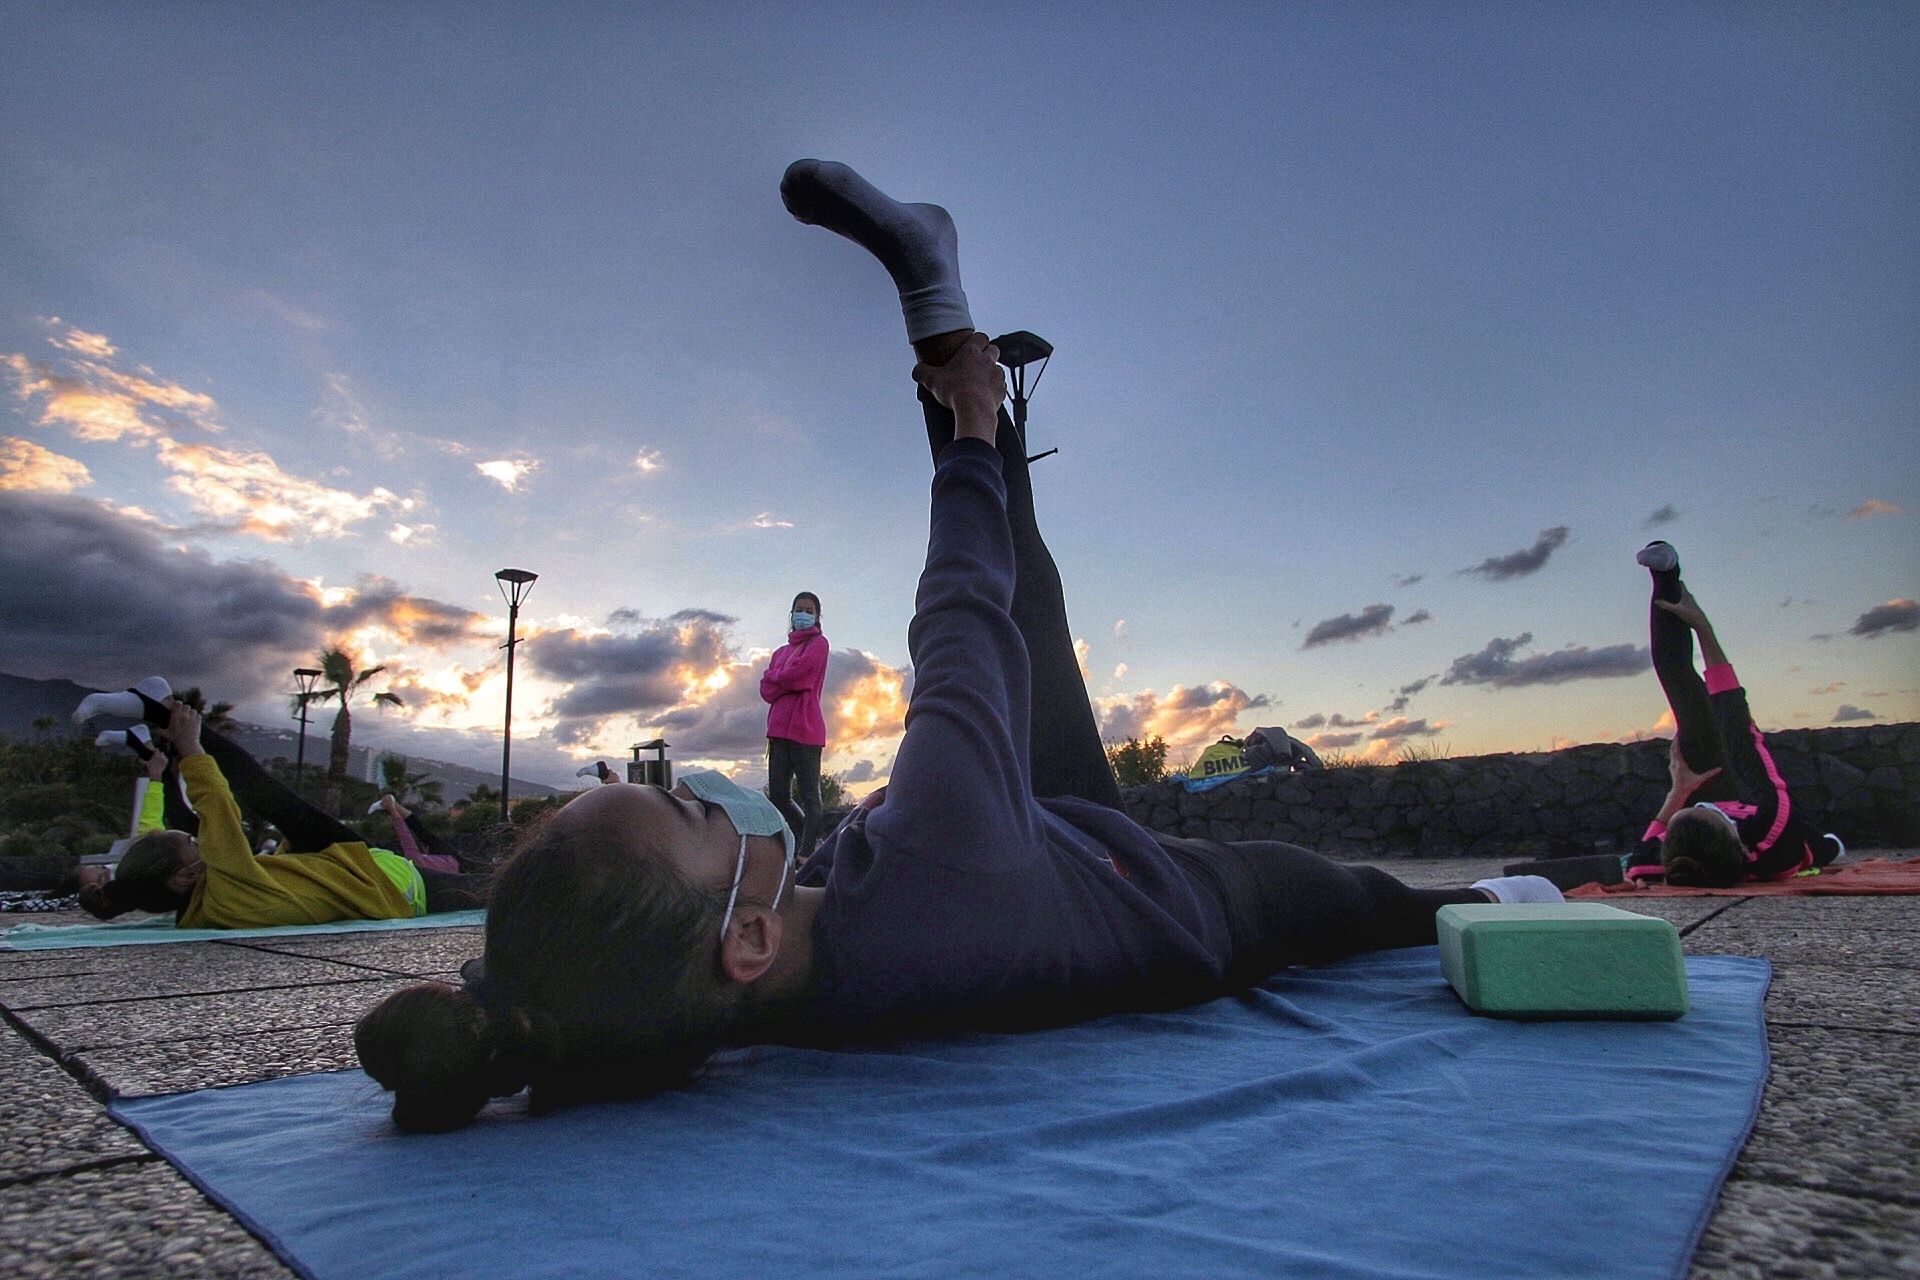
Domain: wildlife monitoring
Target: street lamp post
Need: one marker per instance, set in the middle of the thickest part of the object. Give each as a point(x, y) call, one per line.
point(1018, 350)
point(515, 584)
point(305, 677)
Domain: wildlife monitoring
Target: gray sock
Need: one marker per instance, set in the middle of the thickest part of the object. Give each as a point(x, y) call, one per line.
point(916, 243)
point(1521, 889)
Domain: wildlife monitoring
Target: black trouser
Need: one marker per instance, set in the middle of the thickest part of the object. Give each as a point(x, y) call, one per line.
point(1284, 904)
point(1065, 753)
point(309, 829)
point(793, 764)
point(1694, 727)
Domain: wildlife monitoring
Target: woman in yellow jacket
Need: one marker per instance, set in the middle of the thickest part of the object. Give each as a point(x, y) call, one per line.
point(215, 881)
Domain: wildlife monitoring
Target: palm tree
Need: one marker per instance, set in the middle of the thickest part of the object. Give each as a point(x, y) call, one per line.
point(342, 682)
point(217, 716)
point(402, 782)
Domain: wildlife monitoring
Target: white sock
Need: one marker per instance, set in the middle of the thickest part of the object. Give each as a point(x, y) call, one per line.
point(916, 243)
point(1521, 889)
point(1659, 557)
point(127, 704)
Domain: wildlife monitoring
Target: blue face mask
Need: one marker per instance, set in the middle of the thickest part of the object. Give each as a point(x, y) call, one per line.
point(751, 814)
point(800, 619)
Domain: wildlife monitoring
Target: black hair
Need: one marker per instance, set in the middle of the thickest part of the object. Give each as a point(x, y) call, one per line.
point(1698, 850)
point(602, 981)
point(140, 881)
point(807, 595)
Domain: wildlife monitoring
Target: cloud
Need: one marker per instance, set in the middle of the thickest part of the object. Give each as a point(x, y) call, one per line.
point(247, 491)
point(639, 673)
point(1370, 621)
point(243, 490)
point(1894, 615)
point(79, 341)
point(647, 461)
point(1080, 650)
point(1417, 617)
point(1185, 717)
point(1400, 728)
point(1406, 692)
point(767, 520)
point(1848, 712)
point(1875, 507)
point(1333, 741)
point(508, 473)
point(1495, 665)
point(90, 413)
point(864, 699)
point(1832, 686)
point(1313, 721)
point(1518, 564)
point(1409, 580)
point(1665, 515)
point(99, 598)
point(1120, 629)
point(25, 465)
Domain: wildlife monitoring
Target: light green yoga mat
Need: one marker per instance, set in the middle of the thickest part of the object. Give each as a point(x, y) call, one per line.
point(157, 929)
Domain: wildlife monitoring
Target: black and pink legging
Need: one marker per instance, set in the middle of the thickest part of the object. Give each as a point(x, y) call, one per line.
point(1686, 690)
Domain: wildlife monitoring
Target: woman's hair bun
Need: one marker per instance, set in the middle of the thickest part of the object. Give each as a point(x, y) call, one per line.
point(434, 1047)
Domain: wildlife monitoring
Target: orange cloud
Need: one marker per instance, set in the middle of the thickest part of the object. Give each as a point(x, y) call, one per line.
point(91, 413)
point(1080, 650)
point(1187, 716)
point(1875, 507)
point(248, 489)
point(872, 706)
point(25, 465)
point(83, 343)
point(244, 488)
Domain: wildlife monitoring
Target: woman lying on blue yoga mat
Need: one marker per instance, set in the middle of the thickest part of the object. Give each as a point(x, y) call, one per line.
point(210, 875)
point(998, 886)
point(1729, 816)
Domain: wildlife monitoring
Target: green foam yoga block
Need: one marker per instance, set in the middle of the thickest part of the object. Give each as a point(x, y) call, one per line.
point(1562, 960)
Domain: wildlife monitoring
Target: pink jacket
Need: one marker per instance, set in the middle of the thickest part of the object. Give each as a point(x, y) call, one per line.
point(792, 685)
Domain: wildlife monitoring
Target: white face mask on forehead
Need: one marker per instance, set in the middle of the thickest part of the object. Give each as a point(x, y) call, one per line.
point(751, 814)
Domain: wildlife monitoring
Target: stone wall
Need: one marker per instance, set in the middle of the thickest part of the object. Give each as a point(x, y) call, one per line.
point(1861, 783)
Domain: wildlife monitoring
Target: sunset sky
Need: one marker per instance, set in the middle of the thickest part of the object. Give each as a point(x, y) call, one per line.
point(1386, 334)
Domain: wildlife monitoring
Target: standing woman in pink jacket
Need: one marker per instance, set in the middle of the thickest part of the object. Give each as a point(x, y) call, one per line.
point(796, 733)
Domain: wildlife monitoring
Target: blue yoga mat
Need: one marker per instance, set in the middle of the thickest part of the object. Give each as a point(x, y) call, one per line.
point(155, 929)
point(1348, 1121)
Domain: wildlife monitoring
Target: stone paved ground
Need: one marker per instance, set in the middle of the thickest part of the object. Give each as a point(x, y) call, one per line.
point(1829, 1183)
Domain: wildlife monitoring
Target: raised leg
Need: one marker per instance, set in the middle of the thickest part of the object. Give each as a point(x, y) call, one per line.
point(1672, 645)
point(261, 795)
point(1067, 757)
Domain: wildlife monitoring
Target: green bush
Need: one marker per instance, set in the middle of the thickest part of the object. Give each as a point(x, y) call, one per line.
point(1136, 763)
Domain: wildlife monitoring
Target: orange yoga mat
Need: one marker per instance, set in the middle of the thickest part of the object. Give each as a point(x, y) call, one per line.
point(1877, 876)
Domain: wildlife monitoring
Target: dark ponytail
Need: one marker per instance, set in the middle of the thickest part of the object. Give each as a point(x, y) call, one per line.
point(140, 881)
point(440, 1054)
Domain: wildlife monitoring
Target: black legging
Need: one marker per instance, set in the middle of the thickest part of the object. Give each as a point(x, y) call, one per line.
point(1694, 727)
point(790, 763)
point(308, 829)
point(1284, 904)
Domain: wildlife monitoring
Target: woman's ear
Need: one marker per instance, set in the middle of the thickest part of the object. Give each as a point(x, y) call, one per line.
point(752, 942)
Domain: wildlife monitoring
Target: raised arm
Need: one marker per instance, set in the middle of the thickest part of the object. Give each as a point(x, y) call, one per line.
point(961, 793)
point(223, 836)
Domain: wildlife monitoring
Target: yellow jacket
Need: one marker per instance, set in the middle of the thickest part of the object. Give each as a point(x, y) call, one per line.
point(241, 891)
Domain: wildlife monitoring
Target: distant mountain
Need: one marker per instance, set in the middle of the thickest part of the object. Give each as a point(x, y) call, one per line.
point(25, 706)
